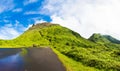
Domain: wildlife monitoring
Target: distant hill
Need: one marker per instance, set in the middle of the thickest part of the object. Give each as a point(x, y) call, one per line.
point(112, 39)
point(98, 53)
point(98, 38)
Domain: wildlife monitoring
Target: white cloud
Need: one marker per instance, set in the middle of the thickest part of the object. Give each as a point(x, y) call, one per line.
point(86, 16)
point(30, 25)
point(31, 12)
point(20, 27)
point(39, 21)
point(6, 5)
point(10, 31)
point(17, 10)
point(6, 21)
point(26, 2)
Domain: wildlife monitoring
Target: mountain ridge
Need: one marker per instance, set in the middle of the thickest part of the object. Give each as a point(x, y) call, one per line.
point(98, 38)
point(102, 56)
point(112, 39)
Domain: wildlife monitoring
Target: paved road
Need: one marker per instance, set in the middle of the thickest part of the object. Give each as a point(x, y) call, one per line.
point(43, 59)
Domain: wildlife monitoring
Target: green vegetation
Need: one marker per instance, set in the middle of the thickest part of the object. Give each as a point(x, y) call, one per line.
point(98, 53)
point(111, 39)
point(98, 38)
point(72, 65)
point(103, 39)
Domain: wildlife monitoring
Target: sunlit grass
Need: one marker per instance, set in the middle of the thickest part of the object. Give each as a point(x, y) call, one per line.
point(76, 52)
point(72, 65)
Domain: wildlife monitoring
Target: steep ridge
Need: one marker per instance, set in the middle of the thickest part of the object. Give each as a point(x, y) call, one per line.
point(49, 34)
point(98, 52)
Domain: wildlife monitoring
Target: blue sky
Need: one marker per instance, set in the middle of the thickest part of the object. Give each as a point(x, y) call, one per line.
point(83, 16)
point(23, 11)
point(17, 15)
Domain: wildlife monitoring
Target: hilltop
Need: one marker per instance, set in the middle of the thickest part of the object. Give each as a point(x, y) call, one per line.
point(103, 39)
point(98, 38)
point(112, 39)
point(98, 53)
point(47, 33)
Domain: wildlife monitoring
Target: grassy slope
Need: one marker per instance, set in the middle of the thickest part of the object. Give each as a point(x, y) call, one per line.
point(112, 39)
point(105, 40)
point(73, 65)
point(98, 38)
point(83, 54)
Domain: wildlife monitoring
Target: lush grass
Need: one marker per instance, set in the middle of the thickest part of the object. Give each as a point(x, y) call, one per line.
point(98, 38)
point(72, 65)
point(82, 54)
point(100, 59)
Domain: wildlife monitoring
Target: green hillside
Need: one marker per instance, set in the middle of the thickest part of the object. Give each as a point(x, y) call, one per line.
point(112, 39)
point(98, 38)
point(77, 53)
point(106, 40)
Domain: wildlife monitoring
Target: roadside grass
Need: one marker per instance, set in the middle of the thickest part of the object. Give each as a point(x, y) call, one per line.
point(72, 65)
point(78, 53)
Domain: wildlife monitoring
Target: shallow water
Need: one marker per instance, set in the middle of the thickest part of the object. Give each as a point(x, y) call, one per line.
point(11, 60)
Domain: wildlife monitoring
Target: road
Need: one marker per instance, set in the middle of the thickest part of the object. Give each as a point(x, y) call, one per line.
point(42, 59)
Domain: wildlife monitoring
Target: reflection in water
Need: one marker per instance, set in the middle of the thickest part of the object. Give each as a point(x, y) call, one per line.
point(12, 63)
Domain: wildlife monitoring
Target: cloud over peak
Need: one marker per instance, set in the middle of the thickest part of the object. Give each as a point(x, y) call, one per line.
point(86, 16)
